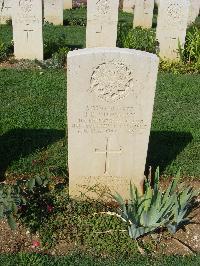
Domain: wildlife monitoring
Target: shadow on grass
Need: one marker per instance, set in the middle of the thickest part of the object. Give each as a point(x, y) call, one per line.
point(164, 146)
point(19, 143)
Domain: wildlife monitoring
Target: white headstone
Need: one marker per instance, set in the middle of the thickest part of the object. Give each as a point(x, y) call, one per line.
point(143, 13)
point(67, 4)
point(53, 11)
point(5, 11)
point(193, 11)
point(128, 6)
point(27, 29)
point(171, 27)
point(109, 122)
point(102, 19)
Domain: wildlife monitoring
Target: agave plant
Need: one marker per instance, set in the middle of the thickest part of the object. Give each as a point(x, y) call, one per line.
point(155, 208)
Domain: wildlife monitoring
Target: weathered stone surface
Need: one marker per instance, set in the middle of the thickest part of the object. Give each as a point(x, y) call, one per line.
point(193, 11)
point(27, 29)
point(143, 13)
point(5, 11)
point(53, 11)
point(67, 4)
point(109, 121)
point(102, 18)
point(128, 5)
point(171, 27)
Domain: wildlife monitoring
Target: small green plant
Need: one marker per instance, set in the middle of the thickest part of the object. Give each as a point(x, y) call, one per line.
point(57, 61)
point(156, 208)
point(138, 38)
point(192, 45)
point(3, 51)
point(13, 197)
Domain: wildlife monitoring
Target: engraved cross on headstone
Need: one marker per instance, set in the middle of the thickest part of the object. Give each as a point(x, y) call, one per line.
point(108, 151)
point(99, 30)
point(27, 33)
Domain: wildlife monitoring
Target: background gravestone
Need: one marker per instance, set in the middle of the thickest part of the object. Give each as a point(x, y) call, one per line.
point(109, 122)
point(102, 19)
point(143, 13)
point(67, 4)
point(53, 11)
point(193, 11)
point(171, 27)
point(128, 6)
point(5, 11)
point(27, 29)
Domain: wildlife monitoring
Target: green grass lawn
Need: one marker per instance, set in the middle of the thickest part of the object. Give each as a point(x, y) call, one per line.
point(78, 259)
point(33, 122)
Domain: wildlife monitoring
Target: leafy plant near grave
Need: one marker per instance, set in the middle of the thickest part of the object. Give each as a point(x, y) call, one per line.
point(156, 209)
point(4, 51)
point(57, 61)
point(14, 197)
point(191, 51)
point(138, 38)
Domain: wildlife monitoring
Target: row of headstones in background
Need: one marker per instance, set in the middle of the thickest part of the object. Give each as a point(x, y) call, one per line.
point(53, 10)
point(109, 123)
point(194, 8)
point(102, 24)
point(173, 18)
point(143, 12)
point(27, 22)
point(171, 27)
point(102, 18)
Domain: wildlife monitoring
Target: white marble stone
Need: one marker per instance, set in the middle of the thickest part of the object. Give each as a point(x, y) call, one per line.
point(27, 29)
point(193, 11)
point(53, 11)
point(5, 11)
point(110, 103)
point(143, 13)
point(128, 5)
point(67, 4)
point(171, 27)
point(102, 19)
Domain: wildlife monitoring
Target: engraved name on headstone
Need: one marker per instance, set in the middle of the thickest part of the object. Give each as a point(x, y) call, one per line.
point(53, 11)
point(143, 13)
point(109, 122)
point(102, 19)
point(27, 29)
point(171, 27)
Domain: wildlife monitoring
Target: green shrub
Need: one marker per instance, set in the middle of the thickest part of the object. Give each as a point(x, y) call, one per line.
point(57, 61)
point(3, 51)
point(13, 197)
point(138, 38)
point(191, 51)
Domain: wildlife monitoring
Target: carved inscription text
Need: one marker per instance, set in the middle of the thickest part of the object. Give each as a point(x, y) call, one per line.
point(110, 119)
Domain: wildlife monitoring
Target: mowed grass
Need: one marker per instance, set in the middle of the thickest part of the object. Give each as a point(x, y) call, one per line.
point(33, 123)
point(79, 259)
